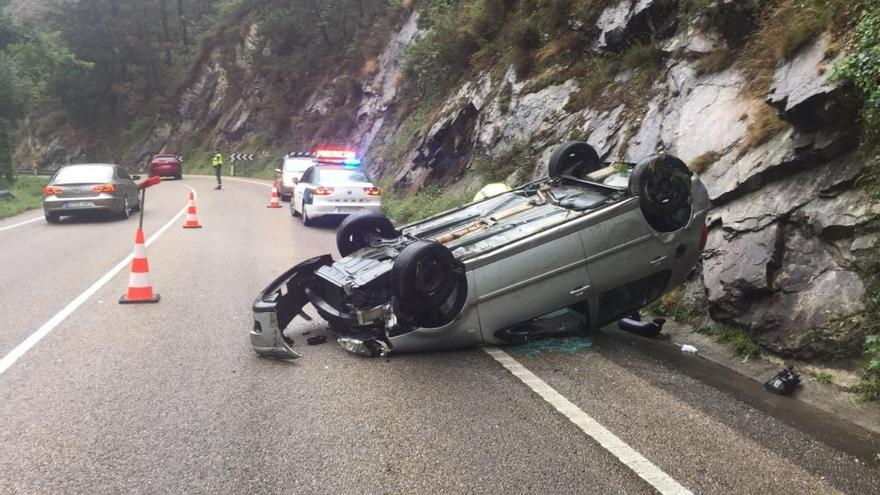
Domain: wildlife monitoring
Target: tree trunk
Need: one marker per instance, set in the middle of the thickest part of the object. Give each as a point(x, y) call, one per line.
point(166, 36)
point(181, 21)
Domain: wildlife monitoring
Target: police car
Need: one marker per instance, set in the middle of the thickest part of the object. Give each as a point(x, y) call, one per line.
point(334, 186)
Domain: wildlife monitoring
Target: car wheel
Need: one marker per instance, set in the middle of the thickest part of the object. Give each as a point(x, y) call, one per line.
point(53, 218)
point(359, 229)
point(663, 185)
point(573, 158)
point(308, 222)
point(126, 210)
point(178, 177)
point(428, 284)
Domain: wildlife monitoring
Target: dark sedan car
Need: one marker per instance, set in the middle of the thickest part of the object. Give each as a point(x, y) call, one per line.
point(166, 165)
point(77, 189)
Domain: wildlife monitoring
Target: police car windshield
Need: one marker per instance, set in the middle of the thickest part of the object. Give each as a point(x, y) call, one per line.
point(297, 164)
point(329, 176)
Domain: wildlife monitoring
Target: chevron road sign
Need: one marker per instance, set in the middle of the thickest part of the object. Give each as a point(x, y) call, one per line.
point(242, 157)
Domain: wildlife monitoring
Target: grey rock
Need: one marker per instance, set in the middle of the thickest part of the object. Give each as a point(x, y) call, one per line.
point(693, 115)
point(838, 216)
point(817, 320)
point(779, 199)
point(804, 93)
point(734, 175)
point(630, 20)
point(738, 268)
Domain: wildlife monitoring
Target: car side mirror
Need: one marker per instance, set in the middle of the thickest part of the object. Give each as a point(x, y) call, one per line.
point(135, 177)
point(295, 180)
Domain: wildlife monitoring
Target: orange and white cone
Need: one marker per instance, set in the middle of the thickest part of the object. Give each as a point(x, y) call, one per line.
point(139, 288)
point(192, 217)
point(274, 202)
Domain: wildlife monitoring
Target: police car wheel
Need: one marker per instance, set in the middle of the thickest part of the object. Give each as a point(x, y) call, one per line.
point(308, 222)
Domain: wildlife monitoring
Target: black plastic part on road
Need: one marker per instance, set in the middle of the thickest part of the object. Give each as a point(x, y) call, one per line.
point(648, 329)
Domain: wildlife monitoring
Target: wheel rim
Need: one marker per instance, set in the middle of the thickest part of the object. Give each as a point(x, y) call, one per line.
point(429, 277)
point(664, 189)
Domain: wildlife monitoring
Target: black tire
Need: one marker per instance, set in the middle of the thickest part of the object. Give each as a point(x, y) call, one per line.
point(178, 177)
point(663, 185)
point(428, 284)
point(126, 210)
point(308, 222)
point(358, 229)
point(53, 218)
point(573, 158)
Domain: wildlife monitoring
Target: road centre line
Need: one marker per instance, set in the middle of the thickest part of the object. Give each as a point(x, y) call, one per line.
point(34, 338)
point(644, 468)
point(32, 220)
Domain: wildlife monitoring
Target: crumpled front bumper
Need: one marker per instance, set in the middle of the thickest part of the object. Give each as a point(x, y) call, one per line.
point(278, 304)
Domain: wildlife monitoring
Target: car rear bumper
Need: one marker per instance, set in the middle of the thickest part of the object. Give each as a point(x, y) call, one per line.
point(70, 206)
point(320, 209)
point(165, 171)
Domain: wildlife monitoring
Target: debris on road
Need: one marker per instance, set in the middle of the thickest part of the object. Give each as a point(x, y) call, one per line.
point(784, 383)
point(688, 349)
point(634, 325)
point(316, 339)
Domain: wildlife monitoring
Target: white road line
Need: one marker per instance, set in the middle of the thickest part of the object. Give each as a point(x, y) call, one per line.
point(32, 340)
point(644, 468)
point(32, 220)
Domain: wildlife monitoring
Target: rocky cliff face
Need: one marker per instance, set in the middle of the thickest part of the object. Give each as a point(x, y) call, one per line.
point(790, 225)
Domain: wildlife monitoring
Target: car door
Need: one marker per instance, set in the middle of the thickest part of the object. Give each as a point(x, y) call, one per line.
point(627, 262)
point(516, 287)
point(301, 187)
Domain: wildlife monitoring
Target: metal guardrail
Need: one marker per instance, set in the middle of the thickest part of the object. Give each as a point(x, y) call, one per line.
point(36, 172)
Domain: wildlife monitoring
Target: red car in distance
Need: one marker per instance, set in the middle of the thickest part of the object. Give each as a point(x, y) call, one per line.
point(166, 165)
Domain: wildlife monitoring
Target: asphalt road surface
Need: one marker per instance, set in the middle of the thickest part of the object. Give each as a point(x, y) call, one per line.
point(170, 398)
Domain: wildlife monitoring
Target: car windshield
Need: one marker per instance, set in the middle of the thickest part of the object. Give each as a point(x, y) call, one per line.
point(341, 176)
point(297, 165)
point(79, 174)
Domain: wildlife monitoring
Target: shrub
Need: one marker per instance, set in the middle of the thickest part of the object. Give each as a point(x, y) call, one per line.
point(862, 68)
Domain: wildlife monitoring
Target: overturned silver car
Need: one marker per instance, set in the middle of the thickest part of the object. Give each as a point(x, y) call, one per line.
point(588, 238)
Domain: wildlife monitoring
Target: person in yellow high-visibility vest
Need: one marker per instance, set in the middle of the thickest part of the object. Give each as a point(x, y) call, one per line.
point(217, 162)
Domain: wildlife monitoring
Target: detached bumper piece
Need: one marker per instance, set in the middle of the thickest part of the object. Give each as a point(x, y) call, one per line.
point(278, 304)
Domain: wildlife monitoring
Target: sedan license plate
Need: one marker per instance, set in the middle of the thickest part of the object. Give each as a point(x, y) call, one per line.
point(79, 204)
point(347, 209)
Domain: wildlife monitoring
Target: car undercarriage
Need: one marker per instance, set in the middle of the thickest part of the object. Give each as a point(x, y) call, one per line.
point(599, 242)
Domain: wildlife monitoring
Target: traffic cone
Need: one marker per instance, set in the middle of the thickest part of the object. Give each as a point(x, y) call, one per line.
point(192, 217)
point(139, 289)
point(274, 202)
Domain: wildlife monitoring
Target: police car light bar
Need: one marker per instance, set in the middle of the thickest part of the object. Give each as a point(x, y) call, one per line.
point(335, 154)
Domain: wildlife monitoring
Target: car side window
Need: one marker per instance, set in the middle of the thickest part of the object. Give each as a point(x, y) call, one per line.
point(122, 174)
point(307, 177)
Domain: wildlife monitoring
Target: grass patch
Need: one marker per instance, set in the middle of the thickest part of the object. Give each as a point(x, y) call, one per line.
point(764, 125)
point(28, 192)
point(740, 341)
point(429, 201)
point(699, 164)
point(713, 62)
point(673, 305)
point(824, 378)
point(599, 76)
point(785, 26)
